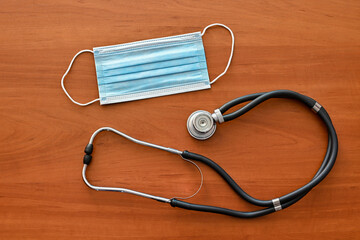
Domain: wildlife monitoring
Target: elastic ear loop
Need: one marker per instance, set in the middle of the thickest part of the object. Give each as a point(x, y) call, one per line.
point(232, 47)
point(67, 71)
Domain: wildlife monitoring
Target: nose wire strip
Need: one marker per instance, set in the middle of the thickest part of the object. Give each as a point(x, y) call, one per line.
point(66, 73)
point(232, 47)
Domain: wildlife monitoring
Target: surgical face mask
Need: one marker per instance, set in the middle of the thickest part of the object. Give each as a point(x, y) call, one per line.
point(151, 68)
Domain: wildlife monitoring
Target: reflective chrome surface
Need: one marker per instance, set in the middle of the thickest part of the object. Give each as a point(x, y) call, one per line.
point(201, 125)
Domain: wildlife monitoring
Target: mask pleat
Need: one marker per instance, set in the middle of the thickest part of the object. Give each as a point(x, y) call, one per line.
point(161, 82)
point(155, 54)
point(180, 69)
point(151, 66)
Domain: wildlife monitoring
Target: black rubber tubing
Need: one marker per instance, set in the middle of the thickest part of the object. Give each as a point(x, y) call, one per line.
point(286, 200)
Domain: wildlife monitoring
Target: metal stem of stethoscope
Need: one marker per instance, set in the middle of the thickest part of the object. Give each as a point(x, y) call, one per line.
point(87, 159)
point(171, 150)
point(124, 190)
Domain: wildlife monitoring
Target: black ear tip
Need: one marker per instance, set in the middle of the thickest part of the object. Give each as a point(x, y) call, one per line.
point(89, 149)
point(87, 159)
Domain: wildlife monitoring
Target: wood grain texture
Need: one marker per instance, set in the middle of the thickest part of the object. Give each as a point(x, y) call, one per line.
point(312, 47)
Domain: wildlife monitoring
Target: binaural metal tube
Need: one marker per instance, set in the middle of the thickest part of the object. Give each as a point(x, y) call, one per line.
point(171, 150)
point(124, 190)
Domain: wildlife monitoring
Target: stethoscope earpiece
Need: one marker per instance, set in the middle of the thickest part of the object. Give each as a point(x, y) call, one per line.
point(201, 125)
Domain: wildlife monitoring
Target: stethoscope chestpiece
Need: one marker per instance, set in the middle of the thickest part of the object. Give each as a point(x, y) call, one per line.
point(201, 125)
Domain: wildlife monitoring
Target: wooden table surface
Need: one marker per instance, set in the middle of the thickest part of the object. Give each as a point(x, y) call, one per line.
point(312, 47)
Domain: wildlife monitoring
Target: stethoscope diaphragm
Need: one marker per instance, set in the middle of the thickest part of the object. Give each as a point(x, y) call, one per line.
point(201, 125)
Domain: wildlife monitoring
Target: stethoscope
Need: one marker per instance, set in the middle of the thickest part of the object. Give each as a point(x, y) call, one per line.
point(202, 125)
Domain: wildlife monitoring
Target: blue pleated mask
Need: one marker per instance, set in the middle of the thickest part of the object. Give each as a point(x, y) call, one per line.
point(151, 68)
